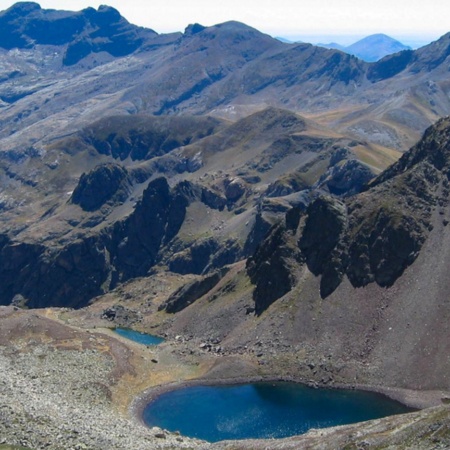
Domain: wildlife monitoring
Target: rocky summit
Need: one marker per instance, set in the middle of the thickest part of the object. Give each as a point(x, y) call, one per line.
point(273, 210)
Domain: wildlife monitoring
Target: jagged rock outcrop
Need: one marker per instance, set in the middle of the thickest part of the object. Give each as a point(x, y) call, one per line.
point(73, 273)
point(53, 276)
point(105, 183)
point(321, 241)
point(380, 235)
point(205, 255)
point(234, 189)
point(136, 241)
point(70, 276)
point(273, 267)
point(196, 192)
point(260, 228)
point(17, 265)
point(288, 184)
point(121, 316)
point(390, 66)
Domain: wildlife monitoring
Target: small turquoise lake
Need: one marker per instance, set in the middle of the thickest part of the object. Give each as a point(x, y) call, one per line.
point(141, 338)
point(263, 410)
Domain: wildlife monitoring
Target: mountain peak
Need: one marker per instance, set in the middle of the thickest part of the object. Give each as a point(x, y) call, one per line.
point(21, 9)
point(376, 46)
point(371, 48)
point(112, 13)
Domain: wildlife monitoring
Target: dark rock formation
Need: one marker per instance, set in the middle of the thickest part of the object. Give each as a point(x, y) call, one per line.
point(234, 189)
point(325, 223)
point(121, 316)
point(205, 255)
point(136, 241)
point(286, 185)
point(259, 231)
point(384, 245)
point(325, 228)
point(273, 268)
point(50, 276)
point(390, 66)
point(69, 277)
point(195, 258)
point(193, 29)
point(347, 178)
point(17, 266)
point(106, 183)
point(195, 192)
point(72, 274)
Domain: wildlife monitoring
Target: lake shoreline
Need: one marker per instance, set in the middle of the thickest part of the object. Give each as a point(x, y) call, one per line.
point(410, 398)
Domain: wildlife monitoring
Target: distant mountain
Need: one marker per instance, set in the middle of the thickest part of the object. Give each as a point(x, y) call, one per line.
point(374, 47)
point(229, 70)
point(26, 24)
point(333, 45)
point(371, 48)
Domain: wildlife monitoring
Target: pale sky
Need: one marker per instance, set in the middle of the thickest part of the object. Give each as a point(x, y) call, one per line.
point(307, 19)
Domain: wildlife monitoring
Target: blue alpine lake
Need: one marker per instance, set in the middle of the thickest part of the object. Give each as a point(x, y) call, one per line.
point(142, 338)
point(262, 410)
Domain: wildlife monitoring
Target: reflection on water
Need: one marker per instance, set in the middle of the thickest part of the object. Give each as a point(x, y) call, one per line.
point(263, 410)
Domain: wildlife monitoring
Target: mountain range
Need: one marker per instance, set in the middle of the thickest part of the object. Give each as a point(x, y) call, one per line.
point(220, 186)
